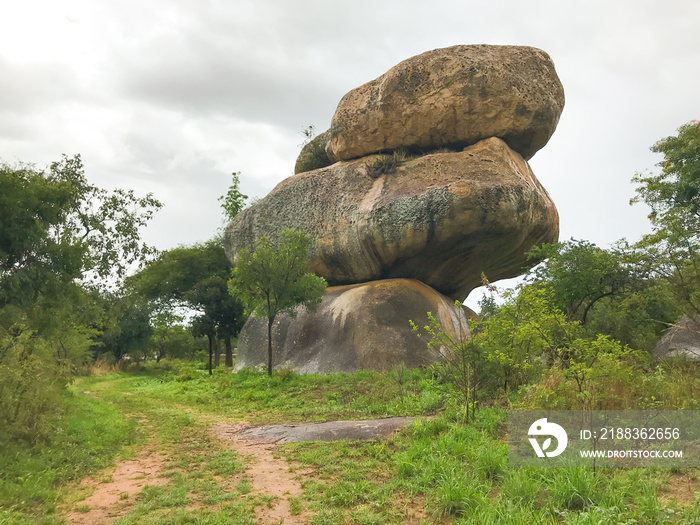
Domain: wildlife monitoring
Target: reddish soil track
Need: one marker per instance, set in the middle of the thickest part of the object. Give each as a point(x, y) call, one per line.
point(112, 499)
point(267, 475)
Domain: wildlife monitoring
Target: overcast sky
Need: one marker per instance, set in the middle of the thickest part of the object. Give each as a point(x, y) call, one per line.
point(171, 96)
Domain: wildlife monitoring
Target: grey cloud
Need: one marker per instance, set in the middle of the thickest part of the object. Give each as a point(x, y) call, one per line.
point(32, 87)
point(249, 91)
point(179, 93)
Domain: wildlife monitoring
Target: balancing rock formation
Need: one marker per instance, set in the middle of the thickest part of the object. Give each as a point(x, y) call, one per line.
point(420, 185)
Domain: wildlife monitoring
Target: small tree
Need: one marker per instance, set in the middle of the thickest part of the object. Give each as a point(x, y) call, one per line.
point(204, 326)
point(309, 132)
point(127, 327)
point(224, 314)
point(195, 277)
point(169, 336)
point(273, 279)
point(234, 201)
point(582, 275)
point(462, 357)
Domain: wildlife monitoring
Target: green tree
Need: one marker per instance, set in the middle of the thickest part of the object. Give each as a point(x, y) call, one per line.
point(637, 318)
point(462, 360)
point(55, 228)
point(195, 277)
point(204, 326)
point(169, 336)
point(609, 291)
point(581, 275)
point(273, 279)
point(127, 327)
point(168, 278)
point(526, 332)
point(223, 314)
point(234, 201)
point(675, 191)
point(38, 358)
point(58, 233)
point(672, 250)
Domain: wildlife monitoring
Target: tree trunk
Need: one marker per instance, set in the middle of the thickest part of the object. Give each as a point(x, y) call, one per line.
point(217, 353)
point(211, 351)
point(229, 352)
point(270, 320)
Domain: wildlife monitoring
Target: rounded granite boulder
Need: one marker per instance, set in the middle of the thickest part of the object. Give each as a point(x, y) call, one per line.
point(356, 327)
point(314, 154)
point(452, 97)
point(443, 219)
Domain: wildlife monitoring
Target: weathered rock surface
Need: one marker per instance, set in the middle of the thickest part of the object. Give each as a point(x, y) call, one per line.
point(353, 430)
point(442, 218)
point(361, 326)
point(454, 96)
point(683, 339)
point(314, 155)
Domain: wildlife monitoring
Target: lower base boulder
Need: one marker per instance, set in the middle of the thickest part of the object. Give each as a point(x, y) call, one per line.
point(357, 326)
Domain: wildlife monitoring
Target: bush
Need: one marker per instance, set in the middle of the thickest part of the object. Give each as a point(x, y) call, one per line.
point(34, 372)
point(86, 438)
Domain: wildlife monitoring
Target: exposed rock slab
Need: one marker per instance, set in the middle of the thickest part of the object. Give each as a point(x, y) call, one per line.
point(453, 97)
point(326, 431)
point(442, 218)
point(356, 327)
point(682, 340)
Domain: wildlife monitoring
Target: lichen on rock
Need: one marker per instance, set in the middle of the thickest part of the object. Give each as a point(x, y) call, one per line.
point(420, 187)
point(443, 219)
point(455, 96)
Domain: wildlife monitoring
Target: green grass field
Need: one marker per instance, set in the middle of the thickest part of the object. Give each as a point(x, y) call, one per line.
point(437, 470)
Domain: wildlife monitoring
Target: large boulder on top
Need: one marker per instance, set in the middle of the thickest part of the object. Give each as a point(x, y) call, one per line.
point(442, 218)
point(356, 327)
point(453, 97)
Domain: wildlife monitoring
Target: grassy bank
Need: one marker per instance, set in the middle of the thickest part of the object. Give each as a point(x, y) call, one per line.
point(90, 433)
point(451, 473)
point(438, 470)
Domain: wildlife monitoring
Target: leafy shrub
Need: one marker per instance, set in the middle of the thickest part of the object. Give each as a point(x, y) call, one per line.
point(34, 372)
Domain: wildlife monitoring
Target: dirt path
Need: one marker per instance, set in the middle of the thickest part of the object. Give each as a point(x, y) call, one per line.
point(113, 495)
point(267, 475)
point(271, 476)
